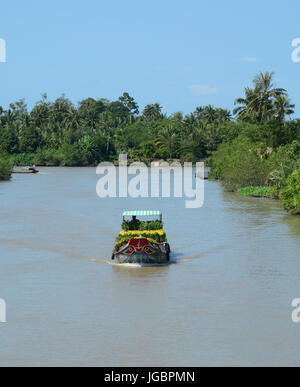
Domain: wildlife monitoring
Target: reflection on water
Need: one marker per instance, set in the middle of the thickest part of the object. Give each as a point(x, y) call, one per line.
point(293, 224)
point(139, 272)
point(224, 299)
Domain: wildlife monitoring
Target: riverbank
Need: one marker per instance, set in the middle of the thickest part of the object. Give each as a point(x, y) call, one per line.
point(249, 168)
point(32, 159)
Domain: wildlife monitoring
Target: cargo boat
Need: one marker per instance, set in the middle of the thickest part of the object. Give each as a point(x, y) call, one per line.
point(142, 242)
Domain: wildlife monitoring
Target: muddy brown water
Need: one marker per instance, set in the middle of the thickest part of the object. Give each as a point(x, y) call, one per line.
point(224, 300)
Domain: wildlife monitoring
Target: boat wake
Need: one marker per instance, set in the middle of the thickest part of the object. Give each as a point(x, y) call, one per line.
point(175, 258)
point(136, 265)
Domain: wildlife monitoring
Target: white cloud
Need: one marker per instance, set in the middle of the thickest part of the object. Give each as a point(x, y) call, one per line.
point(249, 59)
point(203, 90)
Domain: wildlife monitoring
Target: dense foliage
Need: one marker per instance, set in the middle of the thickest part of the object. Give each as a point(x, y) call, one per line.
point(137, 225)
point(5, 168)
point(59, 133)
point(290, 194)
point(264, 157)
point(257, 147)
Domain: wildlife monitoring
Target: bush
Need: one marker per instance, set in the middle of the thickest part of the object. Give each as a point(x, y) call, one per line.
point(73, 156)
point(290, 194)
point(148, 150)
point(23, 159)
point(283, 162)
point(163, 153)
point(67, 155)
point(238, 165)
point(48, 157)
point(5, 169)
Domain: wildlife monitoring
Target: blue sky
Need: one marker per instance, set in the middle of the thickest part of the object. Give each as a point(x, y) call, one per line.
point(182, 54)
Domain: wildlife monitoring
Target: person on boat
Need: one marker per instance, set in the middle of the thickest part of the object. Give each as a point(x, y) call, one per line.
point(135, 223)
point(32, 168)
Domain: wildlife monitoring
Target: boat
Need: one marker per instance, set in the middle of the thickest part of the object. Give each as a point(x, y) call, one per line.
point(204, 176)
point(142, 242)
point(25, 170)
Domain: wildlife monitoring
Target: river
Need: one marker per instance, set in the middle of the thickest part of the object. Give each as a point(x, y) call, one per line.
point(225, 300)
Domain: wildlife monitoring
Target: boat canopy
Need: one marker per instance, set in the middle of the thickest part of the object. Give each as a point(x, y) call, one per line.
point(143, 213)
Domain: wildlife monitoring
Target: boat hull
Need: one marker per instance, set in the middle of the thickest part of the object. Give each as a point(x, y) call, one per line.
point(149, 254)
point(25, 172)
point(141, 258)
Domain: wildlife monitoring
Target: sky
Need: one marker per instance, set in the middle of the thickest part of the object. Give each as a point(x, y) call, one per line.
point(182, 54)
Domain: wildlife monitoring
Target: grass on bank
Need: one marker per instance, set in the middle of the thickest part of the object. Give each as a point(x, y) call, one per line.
point(257, 192)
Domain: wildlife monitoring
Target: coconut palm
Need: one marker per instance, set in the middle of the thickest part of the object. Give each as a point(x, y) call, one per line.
point(223, 115)
point(168, 139)
point(282, 107)
point(258, 104)
point(212, 136)
point(211, 114)
point(152, 111)
point(193, 146)
point(246, 109)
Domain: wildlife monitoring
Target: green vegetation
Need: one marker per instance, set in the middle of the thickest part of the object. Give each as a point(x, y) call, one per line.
point(263, 158)
point(256, 147)
point(61, 134)
point(262, 192)
point(136, 225)
point(5, 168)
point(157, 235)
point(290, 194)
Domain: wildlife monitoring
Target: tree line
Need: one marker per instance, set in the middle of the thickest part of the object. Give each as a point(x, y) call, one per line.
point(255, 145)
point(59, 133)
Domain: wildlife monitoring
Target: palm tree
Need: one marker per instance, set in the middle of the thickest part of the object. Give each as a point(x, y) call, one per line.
point(193, 145)
point(212, 136)
point(223, 115)
point(246, 109)
point(282, 107)
point(258, 103)
point(266, 93)
point(209, 114)
point(107, 123)
point(152, 111)
point(168, 139)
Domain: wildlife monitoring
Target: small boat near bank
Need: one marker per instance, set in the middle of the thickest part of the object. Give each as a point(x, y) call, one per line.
point(204, 176)
point(142, 242)
point(24, 170)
